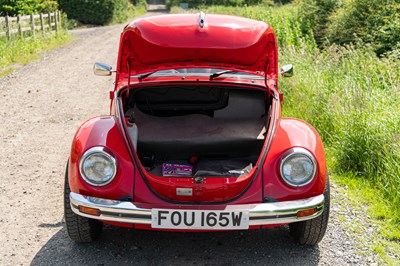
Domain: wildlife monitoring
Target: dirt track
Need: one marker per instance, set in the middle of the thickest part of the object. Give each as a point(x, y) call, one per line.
point(42, 105)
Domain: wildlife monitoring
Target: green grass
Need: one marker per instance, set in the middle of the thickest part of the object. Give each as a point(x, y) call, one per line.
point(352, 98)
point(362, 197)
point(23, 50)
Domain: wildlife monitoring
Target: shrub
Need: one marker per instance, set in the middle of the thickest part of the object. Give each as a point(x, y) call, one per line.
point(197, 3)
point(99, 12)
point(19, 7)
point(375, 22)
point(370, 21)
point(314, 15)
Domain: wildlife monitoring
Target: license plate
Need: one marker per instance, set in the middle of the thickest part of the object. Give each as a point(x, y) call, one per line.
point(196, 219)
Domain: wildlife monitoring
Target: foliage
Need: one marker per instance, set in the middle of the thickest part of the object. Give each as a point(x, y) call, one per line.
point(22, 50)
point(283, 2)
point(314, 15)
point(353, 99)
point(67, 23)
point(373, 21)
point(198, 3)
point(99, 12)
point(19, 7)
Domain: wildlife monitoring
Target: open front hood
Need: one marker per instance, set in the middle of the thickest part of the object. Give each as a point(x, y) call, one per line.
point(197, 40)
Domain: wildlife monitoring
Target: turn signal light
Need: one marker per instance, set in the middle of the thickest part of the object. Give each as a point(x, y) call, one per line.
point(90, 211)
point(307, 212)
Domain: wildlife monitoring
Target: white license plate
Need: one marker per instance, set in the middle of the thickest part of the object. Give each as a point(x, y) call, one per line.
point(196, 219)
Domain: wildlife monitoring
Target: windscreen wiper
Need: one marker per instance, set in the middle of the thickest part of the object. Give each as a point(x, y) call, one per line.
point(217, 74)
point(145, 75)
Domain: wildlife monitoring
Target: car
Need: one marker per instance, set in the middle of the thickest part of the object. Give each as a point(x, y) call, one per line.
point(195, 140)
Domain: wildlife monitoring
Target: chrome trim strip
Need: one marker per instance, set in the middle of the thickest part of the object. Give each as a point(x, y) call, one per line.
point(260, 214)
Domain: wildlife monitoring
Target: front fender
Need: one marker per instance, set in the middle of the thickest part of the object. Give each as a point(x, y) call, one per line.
point(293, 133)
point(102, 131)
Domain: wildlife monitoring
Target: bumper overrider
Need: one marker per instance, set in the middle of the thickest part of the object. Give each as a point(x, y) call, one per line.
point(259, 214)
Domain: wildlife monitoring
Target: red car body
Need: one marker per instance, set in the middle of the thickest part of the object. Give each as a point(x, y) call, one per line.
point(195, 41)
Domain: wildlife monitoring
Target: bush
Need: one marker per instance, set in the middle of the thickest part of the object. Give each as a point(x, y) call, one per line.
point(375, 22)
point(98, 12)
point(370, 21)
point(314, 15)
point(197, 3)
point(19, 7)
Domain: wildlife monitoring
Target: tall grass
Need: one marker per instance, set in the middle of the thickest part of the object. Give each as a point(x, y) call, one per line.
point(284, 21)
point(352, 98)
point(349, 95)
point(22, 50)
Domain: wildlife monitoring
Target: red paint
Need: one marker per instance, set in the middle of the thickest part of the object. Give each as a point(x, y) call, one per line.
point(171, 41)
point(101, 131)
point(175, 41)
point(293, 133)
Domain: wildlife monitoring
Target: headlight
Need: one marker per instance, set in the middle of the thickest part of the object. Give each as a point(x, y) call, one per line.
point(97, 167)
point(298, 167)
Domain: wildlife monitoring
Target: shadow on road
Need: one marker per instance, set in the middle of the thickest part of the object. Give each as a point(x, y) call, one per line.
point(125, 246)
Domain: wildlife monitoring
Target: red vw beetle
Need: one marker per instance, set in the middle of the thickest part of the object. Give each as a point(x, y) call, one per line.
point(195, 140)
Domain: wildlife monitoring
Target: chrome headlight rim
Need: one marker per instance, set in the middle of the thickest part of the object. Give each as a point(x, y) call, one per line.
point(99, 150)
point(295, 152)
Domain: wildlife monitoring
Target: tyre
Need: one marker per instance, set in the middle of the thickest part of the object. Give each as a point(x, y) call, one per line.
point(80, 229)
point(312, 231)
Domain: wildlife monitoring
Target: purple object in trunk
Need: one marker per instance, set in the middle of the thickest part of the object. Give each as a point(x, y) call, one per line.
point(169, 169)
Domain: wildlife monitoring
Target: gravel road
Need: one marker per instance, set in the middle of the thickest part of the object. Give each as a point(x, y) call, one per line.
point(42, 105)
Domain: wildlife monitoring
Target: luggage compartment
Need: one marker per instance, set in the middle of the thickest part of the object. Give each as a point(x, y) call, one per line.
point(218, 131)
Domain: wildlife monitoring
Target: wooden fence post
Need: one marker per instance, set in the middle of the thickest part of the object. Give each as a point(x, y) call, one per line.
point(55, 22)
point(59, 19)
point(49, 19)
point(23, 21)
point(33, 26)
point(7, 28)
point(41, 23)
point(19, 25)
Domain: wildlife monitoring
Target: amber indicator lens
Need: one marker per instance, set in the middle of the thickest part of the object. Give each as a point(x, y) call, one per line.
point(306, 212)
point(91, 211)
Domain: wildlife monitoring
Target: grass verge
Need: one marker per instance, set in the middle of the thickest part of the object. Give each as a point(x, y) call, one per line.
point(24, 50)
point(373, 228)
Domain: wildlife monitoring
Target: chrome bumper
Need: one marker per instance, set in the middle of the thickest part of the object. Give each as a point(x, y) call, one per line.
point(259, 214)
